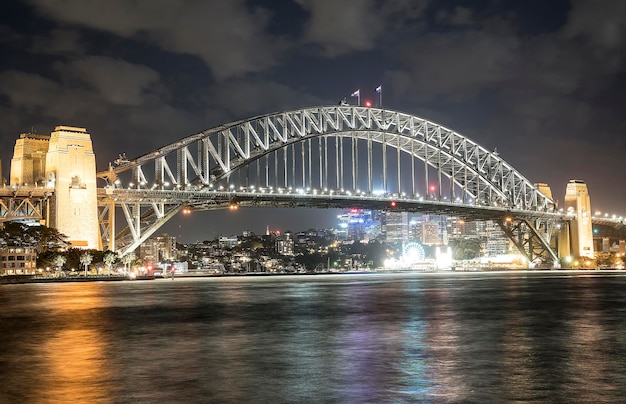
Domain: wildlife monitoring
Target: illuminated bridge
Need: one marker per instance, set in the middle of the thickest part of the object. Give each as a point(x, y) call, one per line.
point(326, 157)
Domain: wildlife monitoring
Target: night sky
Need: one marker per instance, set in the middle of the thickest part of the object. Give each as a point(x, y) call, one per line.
point(542, 81)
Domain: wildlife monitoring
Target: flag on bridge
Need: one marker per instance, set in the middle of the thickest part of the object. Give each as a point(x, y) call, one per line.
point(379, 91)
point(357, 94)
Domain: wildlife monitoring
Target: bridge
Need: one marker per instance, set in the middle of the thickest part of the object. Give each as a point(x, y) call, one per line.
point(326, 157)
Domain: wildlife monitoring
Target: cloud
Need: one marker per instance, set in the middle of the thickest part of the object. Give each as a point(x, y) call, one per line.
point(58, 42)
point(457, 64)
point(603, 27)
point(118, 82)
point(340, 26)
point(459, 16)
point(243, 98)
point(228, 36)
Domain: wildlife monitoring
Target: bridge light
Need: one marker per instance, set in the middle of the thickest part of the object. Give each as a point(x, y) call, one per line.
point(368, 103)
point(393, 204)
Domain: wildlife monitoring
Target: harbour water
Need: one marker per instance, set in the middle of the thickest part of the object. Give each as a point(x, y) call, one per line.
point(550, 336)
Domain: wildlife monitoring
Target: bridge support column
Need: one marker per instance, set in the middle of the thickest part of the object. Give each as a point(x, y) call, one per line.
point(71, 167)
point(564, 242)
point(532, 240)
point(581, 231)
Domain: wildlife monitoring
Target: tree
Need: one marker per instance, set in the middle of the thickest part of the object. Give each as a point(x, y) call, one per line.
point(59, 261)
point(42, 237)
point(467, 249)
point(127, 260)
point(86, 259)
point(108, 259)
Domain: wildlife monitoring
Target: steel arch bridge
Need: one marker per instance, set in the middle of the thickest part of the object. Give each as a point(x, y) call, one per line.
point(329, 156)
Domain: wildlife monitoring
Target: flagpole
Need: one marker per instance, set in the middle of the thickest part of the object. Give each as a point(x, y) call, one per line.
point(357, 94)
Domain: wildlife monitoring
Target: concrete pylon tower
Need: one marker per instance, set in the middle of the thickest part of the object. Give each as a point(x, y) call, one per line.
point(71, 171)
point(581, 230)
point(28, 164)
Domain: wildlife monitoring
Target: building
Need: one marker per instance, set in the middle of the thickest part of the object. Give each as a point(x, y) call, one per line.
point(158, 249)
point(428, 233)
point(395, 226)
point(18, 260)
point(358, 225)
point(285, 244)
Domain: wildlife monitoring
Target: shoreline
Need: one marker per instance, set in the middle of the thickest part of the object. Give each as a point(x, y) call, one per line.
point(28, 279)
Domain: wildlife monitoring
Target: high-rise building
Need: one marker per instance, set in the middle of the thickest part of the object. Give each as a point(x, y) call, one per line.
point(395, 226)
point(285, 244)
point(158, 249)
point(358, 225)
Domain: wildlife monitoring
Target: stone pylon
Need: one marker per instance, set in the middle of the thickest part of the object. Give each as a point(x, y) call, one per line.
point(71, 172)
point(577, 203)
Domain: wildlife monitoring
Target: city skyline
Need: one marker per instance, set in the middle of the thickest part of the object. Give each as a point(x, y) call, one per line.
point(538, 82)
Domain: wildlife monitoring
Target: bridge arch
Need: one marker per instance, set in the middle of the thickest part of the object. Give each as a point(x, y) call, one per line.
point(348, 150)
point(471, 169)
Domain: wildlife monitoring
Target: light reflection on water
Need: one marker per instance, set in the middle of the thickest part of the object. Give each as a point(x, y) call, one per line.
point(532, 337)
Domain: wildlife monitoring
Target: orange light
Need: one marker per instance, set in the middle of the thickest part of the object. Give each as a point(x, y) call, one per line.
point(393, 204)
point(368, 104)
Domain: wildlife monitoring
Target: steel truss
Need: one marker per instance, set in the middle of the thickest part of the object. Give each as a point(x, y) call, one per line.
point(24, 204)
point(532, 240)
point(337, 149)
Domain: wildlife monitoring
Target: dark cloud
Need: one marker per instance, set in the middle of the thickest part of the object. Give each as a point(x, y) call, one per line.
point(340, 27)
point(228, 36)
point(58, 42)
point(116, 81)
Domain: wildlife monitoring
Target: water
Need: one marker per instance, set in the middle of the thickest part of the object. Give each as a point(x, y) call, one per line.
point(437, 338)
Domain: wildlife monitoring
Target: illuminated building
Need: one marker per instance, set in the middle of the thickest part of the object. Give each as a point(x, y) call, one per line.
point(285, 244)
point(395, 226)
point(158, 249)
point(18, 260)
point(358, 225)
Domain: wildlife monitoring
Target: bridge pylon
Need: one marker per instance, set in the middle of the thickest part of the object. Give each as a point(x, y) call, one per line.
point(579, 232)
point(71, 172)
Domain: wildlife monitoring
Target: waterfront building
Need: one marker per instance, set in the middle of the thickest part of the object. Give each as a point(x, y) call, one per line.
point(16, 260)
